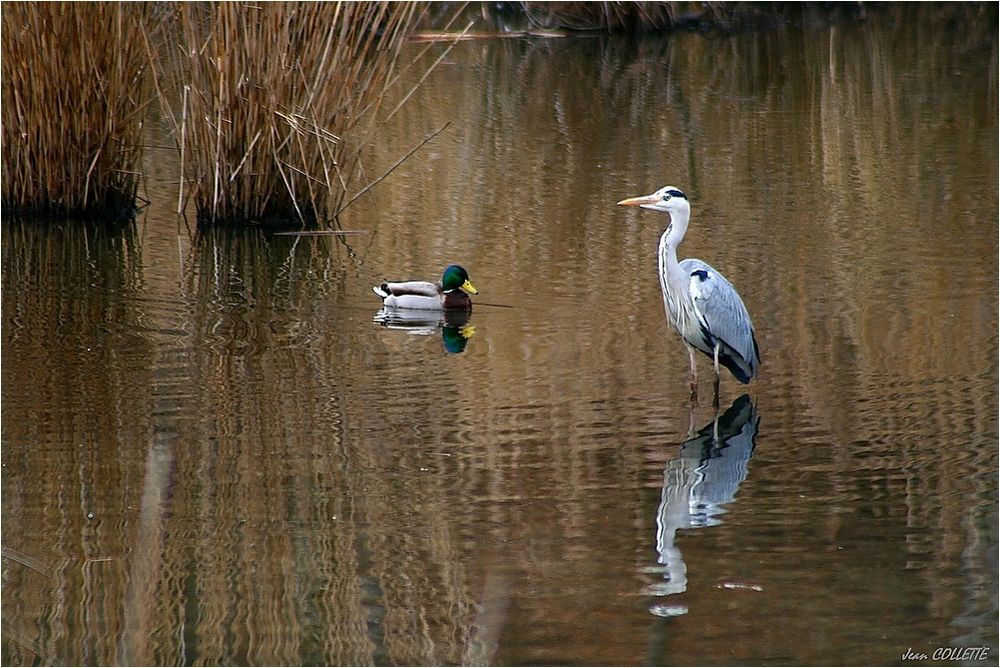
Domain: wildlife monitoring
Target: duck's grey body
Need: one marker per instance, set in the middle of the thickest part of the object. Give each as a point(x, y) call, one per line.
point(421, 295)
point(449, 294)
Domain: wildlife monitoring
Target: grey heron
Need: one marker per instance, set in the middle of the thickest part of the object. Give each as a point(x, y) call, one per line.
point(700, 303)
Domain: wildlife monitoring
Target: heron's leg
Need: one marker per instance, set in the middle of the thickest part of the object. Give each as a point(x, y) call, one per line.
point(715, 382)
point(693, 379)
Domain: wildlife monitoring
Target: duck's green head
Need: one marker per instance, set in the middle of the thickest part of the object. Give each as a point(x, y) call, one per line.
point(456, 278)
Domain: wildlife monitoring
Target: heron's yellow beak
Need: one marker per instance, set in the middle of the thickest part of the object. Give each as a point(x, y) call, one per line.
point(470, 288)
point(638, 201)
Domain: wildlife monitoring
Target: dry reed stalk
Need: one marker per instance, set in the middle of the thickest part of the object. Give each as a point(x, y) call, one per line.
point(74, 97)
point(277, 98)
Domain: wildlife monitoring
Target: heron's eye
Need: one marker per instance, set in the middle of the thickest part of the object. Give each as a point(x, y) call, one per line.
point(666, 197)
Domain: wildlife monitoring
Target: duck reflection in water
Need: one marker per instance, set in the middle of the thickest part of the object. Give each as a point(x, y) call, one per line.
point(453, 325)
point(696, 485)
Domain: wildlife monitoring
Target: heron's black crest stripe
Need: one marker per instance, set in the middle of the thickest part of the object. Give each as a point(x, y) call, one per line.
point(701, 274)
point(676, 193)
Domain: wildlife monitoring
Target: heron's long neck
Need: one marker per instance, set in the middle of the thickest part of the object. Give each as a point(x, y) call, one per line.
point(669, 241)
point(673, 282)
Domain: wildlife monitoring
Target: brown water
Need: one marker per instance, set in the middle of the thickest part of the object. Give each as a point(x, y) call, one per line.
point(213, 452)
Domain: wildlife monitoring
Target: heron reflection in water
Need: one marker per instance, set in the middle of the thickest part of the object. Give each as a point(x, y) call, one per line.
point(696, 485)
point(453, 325)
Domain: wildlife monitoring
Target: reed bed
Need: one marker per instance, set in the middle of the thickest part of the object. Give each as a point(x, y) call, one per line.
point(270, 102)
point(74, 101)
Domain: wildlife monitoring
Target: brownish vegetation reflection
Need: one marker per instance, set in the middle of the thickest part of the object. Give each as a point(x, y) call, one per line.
point(240, 536)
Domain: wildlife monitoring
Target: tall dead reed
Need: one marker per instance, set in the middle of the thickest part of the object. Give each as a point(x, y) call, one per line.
point(269, 102)
point(74, 98)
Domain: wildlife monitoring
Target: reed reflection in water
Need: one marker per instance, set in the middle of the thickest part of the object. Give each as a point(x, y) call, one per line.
point(212, 453)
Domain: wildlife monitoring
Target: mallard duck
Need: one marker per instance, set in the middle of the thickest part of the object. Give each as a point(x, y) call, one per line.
point(449, 294)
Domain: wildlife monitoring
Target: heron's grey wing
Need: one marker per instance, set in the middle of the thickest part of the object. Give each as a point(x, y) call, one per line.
point(723, 316)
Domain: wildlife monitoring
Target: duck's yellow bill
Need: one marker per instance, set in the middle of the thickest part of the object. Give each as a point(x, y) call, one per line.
point(467, 331)
point(470, 288)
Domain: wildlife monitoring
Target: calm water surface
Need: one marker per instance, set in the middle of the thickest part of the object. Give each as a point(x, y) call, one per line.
point(216, 452)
